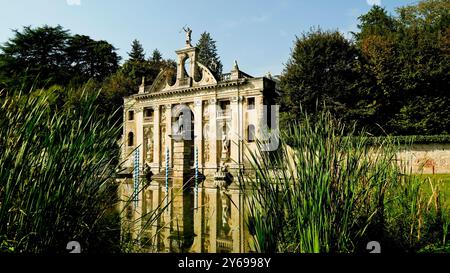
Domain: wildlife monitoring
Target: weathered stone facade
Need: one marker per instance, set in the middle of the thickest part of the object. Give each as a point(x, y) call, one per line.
point(205, 209)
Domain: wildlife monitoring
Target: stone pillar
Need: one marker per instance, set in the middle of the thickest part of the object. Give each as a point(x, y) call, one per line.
point(213, 194)
point(212, 134)
point(198, 211)
point(168, 220)
point(156, 191)
point(182, 198)
point(259, 105)
point(168, 109)
point(198, 129)
point(156, 141)
point(139, 117)
point(180, 68)
point(181, 161)
point(236, 129)
point(198, 225)
point(236, 220)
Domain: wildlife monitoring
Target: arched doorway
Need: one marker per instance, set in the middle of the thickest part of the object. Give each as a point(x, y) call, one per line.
point(183, 125)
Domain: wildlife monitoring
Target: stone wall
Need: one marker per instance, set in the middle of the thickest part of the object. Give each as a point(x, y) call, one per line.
point(426, 158)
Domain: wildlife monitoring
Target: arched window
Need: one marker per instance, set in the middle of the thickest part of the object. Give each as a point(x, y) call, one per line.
point(130, 139)
point(251, 133)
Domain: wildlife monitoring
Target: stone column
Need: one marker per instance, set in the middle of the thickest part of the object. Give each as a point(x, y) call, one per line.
point(168, 109)
point(236, 220)
point(212, 134)
point(156, 191)
point(156, 141)
point(259, 105)
point(213, 194)
point(182, 197)
point(181, 161)
point(168, 219)
point(139, 117)
point(198, 225)
point(198, 133)
point(236, 126)
point(198, 129)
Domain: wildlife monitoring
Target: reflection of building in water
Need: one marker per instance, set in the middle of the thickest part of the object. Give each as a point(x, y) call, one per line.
point(221, 119)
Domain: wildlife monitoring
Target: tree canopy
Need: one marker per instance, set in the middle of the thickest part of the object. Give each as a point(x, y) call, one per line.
point(51, 55)
point(208, 55)
point(392, 78)
point(325, 68)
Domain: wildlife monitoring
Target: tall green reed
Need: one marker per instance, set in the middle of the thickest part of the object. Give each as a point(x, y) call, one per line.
point(327, 189)
point(57, 170)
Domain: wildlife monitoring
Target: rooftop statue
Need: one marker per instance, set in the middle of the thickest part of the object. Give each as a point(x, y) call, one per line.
point(188, 31)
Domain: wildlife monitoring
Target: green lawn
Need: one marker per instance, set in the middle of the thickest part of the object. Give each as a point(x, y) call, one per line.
point(444, 184)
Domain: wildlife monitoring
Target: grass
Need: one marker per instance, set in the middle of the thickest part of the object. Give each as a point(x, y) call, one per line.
point(59, 161)
point(57, 174)
point(328, 191)
point(443, 180)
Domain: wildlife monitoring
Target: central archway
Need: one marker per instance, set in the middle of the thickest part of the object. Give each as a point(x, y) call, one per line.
point(183, 124)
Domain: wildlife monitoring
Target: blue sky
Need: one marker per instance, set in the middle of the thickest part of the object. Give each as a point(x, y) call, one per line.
point(259, 34)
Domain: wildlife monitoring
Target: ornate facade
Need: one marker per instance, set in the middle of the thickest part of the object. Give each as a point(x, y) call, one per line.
point(192, 130)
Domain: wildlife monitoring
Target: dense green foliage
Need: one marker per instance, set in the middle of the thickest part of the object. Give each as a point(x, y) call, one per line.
point(393, 78)
point(208, 55)
point(50, 55)
point(325, 68)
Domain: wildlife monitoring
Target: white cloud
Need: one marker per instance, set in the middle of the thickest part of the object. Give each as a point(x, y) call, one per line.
point(73, 2)
point(373, 2)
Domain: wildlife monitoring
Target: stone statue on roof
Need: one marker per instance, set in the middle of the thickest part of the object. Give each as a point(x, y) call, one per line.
point(188, 31)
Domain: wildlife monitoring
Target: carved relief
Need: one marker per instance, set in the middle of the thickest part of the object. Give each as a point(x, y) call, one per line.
point(207, 213)
point(205, 110)
point(163, 115)
point(226, 215)
point(148, 141)
point(162, 153)
point(206, 143)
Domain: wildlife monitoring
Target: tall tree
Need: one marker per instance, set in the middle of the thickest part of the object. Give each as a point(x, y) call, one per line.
point(50, 55)
point(137, 53)
point(375, 22)
point(377, 40)
point(407, 57)
point(91, 59)
point(208, 55)
point(137, 67)
point(424, 57)
point(35, 52)
point(324, 69)
point(434, 13)
point(156, 57)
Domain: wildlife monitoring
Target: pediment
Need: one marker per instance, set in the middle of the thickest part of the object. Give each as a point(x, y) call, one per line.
point(207, 77)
